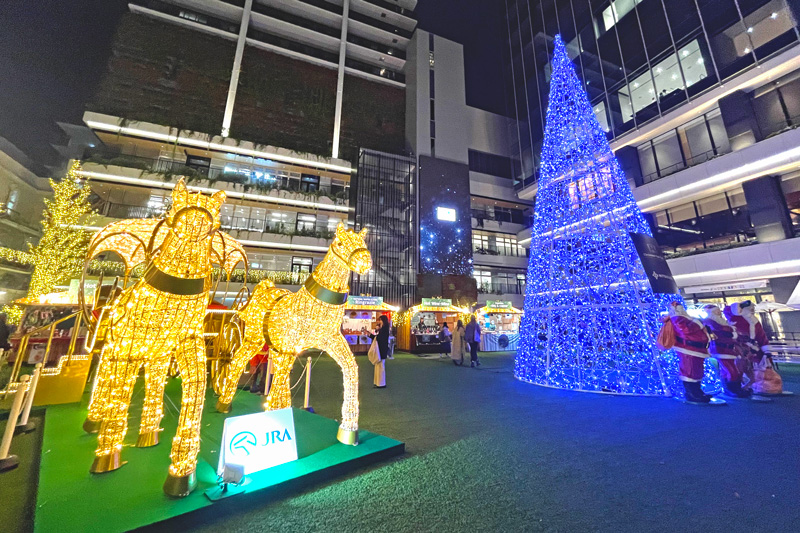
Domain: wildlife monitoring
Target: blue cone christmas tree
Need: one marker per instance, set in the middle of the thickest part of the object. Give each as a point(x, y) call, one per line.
point(591, 318)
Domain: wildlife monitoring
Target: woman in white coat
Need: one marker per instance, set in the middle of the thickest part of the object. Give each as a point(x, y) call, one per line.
point(458, 346)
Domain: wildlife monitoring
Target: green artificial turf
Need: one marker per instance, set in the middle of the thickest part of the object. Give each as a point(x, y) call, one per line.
point(72, 499)
point(18, 486)
point(485, 452)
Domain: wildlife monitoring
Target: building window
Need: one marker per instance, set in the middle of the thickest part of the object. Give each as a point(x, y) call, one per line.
point(494, 165)
point(489, 244)
point(302, 264)
point(306, 222)
point(615, 11)
point(666, 78)
point(309, 183)
point(13, 195)
point(194, 17)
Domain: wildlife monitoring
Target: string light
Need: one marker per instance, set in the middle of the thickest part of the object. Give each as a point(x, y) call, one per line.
point(160, 316)
point(591, 318)
point(291, 323)
point(58, 256)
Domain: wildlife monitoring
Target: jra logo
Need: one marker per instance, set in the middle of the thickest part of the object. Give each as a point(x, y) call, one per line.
point(275, 436)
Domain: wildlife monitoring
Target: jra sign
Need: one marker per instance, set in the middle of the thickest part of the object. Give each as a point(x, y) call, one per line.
point(258, 441)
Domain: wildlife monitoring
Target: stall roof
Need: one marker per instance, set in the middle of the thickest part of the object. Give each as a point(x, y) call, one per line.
point(437, 309)
point(383, 307)
point(499, 311)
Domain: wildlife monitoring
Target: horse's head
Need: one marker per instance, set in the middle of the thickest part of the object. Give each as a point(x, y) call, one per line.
point(194, 216)
point(350, 247)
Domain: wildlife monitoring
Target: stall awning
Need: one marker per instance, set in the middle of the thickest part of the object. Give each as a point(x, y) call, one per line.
point(368, 303)
point(510, 310)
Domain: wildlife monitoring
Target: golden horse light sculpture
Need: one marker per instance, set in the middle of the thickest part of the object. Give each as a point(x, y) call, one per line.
point(310, 318)
point(156, 318)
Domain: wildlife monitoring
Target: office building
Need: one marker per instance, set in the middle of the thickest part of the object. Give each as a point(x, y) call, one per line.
point(699, 99)
point(22, 192)
point(469, 216)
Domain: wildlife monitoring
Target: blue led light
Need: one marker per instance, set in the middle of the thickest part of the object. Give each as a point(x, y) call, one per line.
point(591, 318)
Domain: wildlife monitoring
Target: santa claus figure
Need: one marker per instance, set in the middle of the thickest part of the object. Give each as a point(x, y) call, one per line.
point(691, 345)
point(726, 351)
point(752, 338)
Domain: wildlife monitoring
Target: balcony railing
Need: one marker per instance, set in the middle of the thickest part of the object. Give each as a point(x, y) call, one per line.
point(258, 226)
point(681, 165)
point(501, 288)
point(171, 169)
point(500, 216)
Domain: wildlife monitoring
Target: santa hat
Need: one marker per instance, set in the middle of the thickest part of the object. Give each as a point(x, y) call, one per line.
point(738, 307)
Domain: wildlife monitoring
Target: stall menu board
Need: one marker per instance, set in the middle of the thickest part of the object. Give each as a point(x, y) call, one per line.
point(436, 302)
point(498, 304)
point(364, 301)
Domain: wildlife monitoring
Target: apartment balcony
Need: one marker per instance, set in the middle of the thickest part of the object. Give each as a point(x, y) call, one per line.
point(513, 293)
point(162, 174)
point(778, 154)
point(485, 220)
point(490, 258)
point(251, 232)
point(757, 261)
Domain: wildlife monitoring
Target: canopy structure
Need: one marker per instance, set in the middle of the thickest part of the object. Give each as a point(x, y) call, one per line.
point(510, 310)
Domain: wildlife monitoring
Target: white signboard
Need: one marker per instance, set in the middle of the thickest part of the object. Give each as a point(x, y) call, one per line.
point(445, 213)
point(758, 284)
point(258, 441)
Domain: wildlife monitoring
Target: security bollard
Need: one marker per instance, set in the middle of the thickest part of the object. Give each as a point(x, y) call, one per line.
point(26, 426)
point(7, 462)
point(308, 386)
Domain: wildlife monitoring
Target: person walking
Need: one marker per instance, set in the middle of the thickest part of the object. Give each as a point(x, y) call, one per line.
point(444, 340)
point(473, 336)
point(382, 336)
point(5, 332)
point(458, 346)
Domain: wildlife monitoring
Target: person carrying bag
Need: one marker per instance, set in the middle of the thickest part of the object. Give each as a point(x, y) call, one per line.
point(378, 352)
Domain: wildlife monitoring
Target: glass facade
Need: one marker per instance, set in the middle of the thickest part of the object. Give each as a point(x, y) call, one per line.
point(639, 59)
point(384, 195)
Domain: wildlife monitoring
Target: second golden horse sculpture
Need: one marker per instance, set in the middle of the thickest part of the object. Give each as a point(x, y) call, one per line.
point(310, 318)
point(161, 316)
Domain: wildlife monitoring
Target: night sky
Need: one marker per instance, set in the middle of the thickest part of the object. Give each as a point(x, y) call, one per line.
point(53, 54)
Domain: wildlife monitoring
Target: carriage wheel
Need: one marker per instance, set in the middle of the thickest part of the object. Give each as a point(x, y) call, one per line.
point(230, 341)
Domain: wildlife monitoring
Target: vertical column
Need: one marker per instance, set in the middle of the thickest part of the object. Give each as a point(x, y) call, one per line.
point(337, 119)
point(237, 66)
point(767, 207)
point(739, 117)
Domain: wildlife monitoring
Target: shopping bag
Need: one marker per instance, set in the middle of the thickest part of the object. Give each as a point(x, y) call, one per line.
point(666, 337)
point(766, 380)
point(374, 353)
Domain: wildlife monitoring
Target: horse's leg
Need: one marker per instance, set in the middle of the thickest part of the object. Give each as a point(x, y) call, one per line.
point(155, 377)
point(280, 393)
point(338, 348)
point(229, 379)
point(191, 356)
point(99, 397)
point(113, 406)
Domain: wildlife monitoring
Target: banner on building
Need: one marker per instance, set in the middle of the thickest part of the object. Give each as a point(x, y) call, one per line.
point(654, 263)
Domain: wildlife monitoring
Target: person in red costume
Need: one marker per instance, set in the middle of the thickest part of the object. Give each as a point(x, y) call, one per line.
point(752, 339)
point(691, 345)
point(258, 371)
point(725, 350)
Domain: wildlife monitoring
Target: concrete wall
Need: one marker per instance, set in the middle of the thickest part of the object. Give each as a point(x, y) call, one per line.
point(488, 132)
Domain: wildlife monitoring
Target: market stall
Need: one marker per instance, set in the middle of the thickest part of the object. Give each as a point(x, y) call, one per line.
point(499, 322)
point(420, 332)
point(360, 315)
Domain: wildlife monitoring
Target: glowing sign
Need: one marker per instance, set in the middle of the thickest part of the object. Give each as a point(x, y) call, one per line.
point(258, 441)
point(446, 213)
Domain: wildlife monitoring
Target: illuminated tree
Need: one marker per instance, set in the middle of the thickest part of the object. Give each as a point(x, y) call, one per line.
point(60, 253)
point(591, 318)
